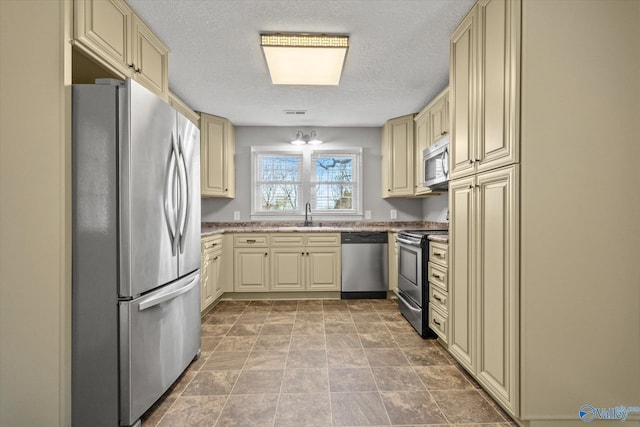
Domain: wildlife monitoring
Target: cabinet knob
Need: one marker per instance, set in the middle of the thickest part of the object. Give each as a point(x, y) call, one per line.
point(226, 189)
point(265, 254)
point(470, 187)
point(470, 161)
point(138, 70)
point(302, 253)
point(133, 67)
point(436, 322)
point(307, 253)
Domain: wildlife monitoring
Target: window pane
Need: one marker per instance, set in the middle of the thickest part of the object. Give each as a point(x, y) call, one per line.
point(333, 196)
point(280, 168)
point(334, 169)
point(278, 197)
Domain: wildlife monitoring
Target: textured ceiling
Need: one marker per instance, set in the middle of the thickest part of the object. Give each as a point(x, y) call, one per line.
point(397, 61)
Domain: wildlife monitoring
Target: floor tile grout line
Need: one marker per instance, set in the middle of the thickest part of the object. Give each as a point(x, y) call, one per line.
point(237, 378)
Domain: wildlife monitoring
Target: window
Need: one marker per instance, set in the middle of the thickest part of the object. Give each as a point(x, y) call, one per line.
point(284, 180)
point(278, 183)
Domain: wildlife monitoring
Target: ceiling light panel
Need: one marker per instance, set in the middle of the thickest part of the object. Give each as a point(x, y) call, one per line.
point(305, 59)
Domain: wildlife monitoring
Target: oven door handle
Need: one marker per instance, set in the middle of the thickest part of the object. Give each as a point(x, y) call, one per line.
point(412, 305)
point(408, 242)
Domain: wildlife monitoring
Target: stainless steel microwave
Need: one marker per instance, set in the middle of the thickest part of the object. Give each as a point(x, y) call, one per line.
point(436, 165)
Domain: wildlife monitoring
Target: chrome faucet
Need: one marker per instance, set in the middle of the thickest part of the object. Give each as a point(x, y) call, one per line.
point(307, 217)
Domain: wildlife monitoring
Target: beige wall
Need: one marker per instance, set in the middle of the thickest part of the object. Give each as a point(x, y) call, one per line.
point(580, 206)
point(35, 260)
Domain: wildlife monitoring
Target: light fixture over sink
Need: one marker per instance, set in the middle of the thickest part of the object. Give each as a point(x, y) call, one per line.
point(305, 59)
point(302, 138)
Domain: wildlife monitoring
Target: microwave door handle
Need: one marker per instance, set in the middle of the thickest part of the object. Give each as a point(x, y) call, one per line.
point(445, 162)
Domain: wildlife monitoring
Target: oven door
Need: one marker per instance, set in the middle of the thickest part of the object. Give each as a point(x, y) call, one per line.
point(410, 270)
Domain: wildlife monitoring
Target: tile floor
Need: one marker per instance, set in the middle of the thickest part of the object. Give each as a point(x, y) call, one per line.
point(320, 363)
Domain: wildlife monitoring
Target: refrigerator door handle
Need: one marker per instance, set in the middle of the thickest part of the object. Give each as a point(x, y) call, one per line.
point(168, 198)
point(168, 296)
point(184, 193)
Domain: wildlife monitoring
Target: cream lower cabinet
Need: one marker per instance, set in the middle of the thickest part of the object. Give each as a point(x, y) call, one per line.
point(288, 269)
point(305, 262)
point(483, 277)
point(251, 269)
point(323, 269)
point(211, 262)
point(393, 260)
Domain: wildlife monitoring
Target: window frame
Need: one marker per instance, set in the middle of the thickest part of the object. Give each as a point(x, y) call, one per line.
point(308, 173)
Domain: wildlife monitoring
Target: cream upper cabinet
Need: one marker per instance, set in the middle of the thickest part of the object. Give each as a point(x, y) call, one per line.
point(485, 85)
point(431, 124)
point(461, 83)
point(439, 117)
point(112, 34)
point(184, 109)
point(398, 144)
point(104, 27)
point(217, 157)
point(149, 58)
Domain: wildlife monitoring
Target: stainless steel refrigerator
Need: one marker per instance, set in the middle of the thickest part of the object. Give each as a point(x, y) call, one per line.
point(136, 250)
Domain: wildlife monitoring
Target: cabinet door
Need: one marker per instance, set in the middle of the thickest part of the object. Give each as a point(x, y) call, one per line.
point(287, 269)
point(150, 59)
point(497, 284)
point(401, 156)
point(204, 278)
point(498, 60)
point(385, 161)
point(323, 269)
point(251, 270)
point(461, 271)
point(216, 157)
point(461, 88)
point(104, 27)
point(439, 119)
point(393, 261)
point(216, 270)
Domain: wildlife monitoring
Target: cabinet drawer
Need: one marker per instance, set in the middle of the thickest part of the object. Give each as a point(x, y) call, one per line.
point(212, 242)
point(438, 298)
point(323, 239)
point(438, 322)
point(437, 275)
point(250, 240)
point(439, 253)
point(286, 239)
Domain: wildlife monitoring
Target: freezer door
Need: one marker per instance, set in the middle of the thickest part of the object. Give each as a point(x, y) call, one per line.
point(148, 205)
point(189, 196)
point(159, 337)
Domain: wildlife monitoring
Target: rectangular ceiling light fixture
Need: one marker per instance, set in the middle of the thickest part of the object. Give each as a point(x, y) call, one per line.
point(305, 59)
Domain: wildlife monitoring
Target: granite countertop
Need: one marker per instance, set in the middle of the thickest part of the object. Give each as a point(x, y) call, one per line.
point(210, 228)
point(441, 238)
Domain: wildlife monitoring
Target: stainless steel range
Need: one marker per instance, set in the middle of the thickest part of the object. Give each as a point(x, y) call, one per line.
point(413, 286)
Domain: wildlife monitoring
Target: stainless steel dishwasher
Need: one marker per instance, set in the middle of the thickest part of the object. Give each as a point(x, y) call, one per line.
point(365, 271)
